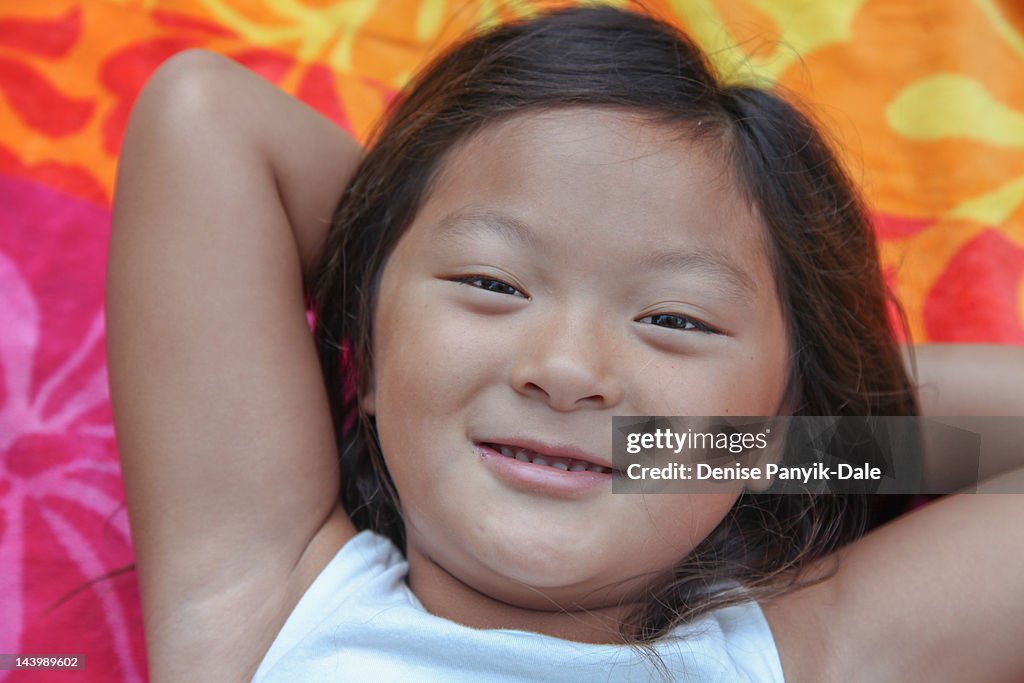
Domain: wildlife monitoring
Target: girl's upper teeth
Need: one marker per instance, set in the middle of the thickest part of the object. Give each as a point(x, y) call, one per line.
point(564, 464)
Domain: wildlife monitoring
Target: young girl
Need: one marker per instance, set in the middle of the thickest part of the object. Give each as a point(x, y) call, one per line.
point(561, 220)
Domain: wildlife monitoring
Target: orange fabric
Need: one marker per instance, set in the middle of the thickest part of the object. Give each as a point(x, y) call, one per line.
point(927, 100)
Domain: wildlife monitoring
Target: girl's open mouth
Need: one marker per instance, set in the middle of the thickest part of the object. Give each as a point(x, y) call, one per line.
point(564, 464)
point(544, 473)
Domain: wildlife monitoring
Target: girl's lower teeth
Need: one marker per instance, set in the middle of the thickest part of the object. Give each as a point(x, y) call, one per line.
point(570, 466)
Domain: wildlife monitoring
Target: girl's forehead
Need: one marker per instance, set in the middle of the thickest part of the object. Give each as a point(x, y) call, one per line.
point(598, 173)
point(585, 136)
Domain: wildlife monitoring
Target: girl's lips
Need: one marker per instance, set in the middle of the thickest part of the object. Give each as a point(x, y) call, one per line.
point(541, 478)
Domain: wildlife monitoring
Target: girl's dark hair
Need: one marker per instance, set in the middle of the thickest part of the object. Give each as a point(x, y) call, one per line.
point(845, 359)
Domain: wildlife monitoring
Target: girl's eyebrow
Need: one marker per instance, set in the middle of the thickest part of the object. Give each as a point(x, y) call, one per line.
point(472, 222)
point(710, 264)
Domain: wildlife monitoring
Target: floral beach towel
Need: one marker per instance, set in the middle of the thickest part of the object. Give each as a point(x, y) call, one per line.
point(926, 99)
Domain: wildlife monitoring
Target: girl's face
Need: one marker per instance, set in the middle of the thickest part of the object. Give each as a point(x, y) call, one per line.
point(568, 266)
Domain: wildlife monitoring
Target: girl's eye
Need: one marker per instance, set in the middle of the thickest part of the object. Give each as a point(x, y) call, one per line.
point(490, 285)
point(678, 322)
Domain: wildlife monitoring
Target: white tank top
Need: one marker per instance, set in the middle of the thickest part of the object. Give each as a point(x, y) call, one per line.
point(359, 621)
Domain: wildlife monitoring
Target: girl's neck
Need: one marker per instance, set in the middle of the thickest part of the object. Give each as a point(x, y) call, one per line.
point(443, 595)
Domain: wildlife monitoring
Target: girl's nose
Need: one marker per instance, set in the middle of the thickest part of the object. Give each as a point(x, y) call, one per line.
point(570, 365)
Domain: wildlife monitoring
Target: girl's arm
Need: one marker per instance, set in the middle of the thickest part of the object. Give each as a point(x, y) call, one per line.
point(225, 190)
point(935, 595)
point(970, 379)
point(970, 382)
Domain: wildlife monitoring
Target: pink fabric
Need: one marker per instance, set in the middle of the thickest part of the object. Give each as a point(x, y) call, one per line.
point(62, 519)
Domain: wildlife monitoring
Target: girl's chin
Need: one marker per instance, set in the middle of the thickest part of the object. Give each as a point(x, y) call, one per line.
point(547, 594)
point(563, 581)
